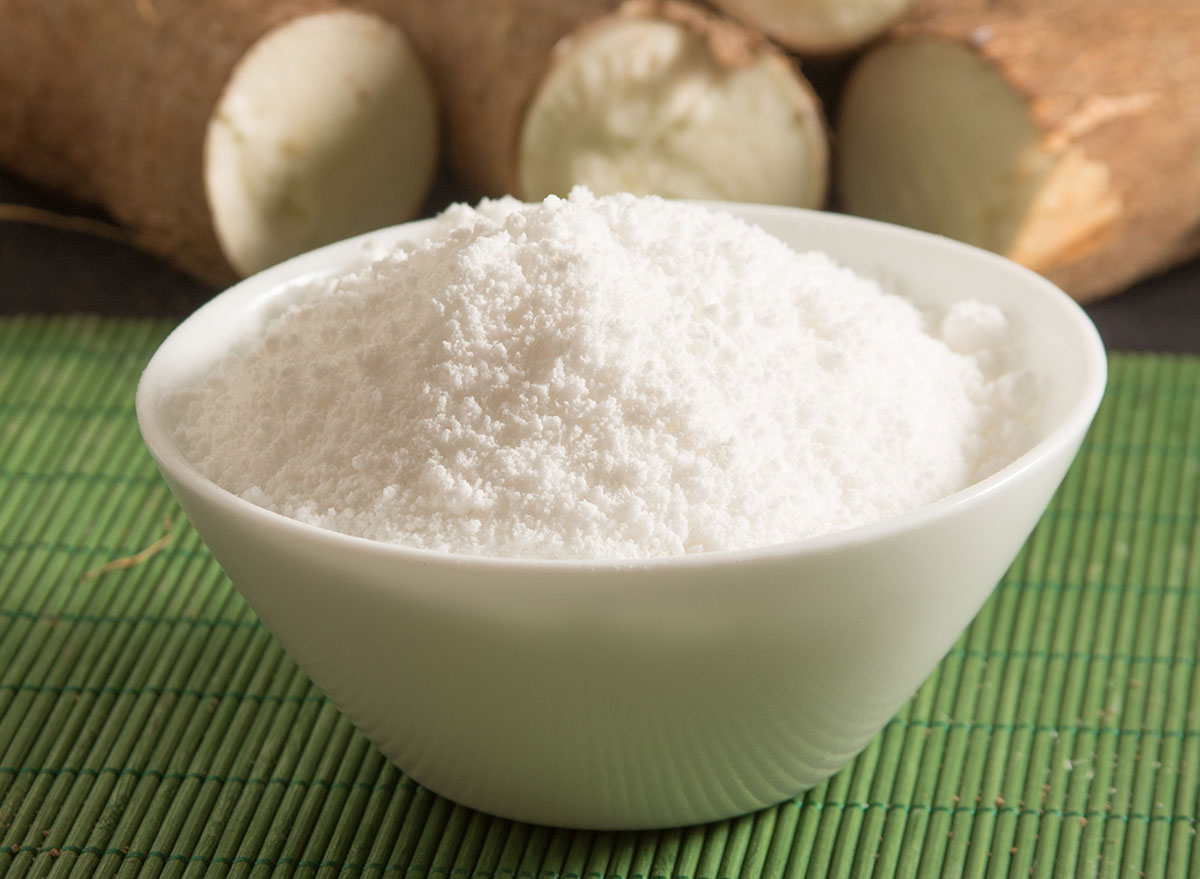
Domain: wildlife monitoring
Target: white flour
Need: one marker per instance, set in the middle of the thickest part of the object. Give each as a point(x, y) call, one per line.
point(604, 378)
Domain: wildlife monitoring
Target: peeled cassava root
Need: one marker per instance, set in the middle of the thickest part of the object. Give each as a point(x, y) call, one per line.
point(1064, 134)
point(818, 26)
point(643, 97)
point(225, 135)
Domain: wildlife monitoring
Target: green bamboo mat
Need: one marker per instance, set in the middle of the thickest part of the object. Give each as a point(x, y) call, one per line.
point(149, 726)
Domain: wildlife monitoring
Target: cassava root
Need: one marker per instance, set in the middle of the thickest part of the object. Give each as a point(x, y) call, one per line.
point(1065, 134)
point(225, 135)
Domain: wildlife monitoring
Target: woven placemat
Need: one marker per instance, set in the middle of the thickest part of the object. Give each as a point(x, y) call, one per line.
point(150, 726)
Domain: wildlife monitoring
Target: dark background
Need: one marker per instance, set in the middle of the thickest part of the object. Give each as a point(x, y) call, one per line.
point(50, 271)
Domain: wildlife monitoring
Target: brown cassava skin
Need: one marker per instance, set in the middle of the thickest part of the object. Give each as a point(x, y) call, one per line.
point(109, 102)
point(1120, 81)
point(487, 61)
point(935, 7)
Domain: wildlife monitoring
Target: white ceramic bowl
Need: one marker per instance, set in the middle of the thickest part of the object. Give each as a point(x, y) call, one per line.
point(636, 695)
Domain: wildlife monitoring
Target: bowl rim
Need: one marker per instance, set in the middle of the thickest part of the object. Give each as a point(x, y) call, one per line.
point(265, 285)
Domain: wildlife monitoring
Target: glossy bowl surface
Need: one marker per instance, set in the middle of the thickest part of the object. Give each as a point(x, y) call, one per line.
point(637, 695)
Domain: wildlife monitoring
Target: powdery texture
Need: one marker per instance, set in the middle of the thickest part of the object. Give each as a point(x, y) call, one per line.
point(603, 378)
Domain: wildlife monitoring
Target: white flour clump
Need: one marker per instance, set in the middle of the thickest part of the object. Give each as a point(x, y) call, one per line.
point(604, 378)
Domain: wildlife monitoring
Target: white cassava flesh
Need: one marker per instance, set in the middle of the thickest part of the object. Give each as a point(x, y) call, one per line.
point(327, 128)
point(817, 26)
point(1064, 135)
point(642, 105)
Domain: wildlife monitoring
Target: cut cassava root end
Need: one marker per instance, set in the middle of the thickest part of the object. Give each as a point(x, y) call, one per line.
point(645, 103)
point(327, 128)
point(128, 119)
point(636, 96)
point(1065, 138)
point(818, 26)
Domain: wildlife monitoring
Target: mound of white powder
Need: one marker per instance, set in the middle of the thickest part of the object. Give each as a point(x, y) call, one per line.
point(603, 378)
